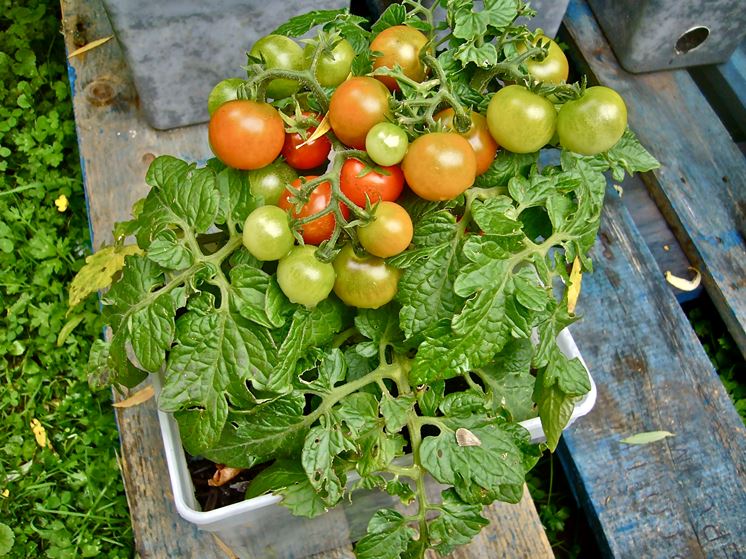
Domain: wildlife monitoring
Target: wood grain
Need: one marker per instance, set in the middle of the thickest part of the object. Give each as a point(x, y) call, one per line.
point(116, 147)
point(701, 185)
point(684, 496)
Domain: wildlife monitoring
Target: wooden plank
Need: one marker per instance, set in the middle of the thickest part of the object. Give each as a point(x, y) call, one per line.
point(701, 185)
point(684, 496)
point(116, 147)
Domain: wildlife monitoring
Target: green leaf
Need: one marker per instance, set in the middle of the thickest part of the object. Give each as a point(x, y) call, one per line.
point(495, 216)
point(457, 523)
point(529, 293)
point(484, 55)
point(402, 490)
point(152, 328)
point(270, 430)
point(236, 200)
point(380, 325)
point(397, 411)
point(257, 297)
point(323, 443)
point(288, 479)
point(7, 539)
point(139, 278)
point(506, 166)
point(300, 25)
point(556, 321)
point(169, 252)
point(463, 404)
point(394, 14)
point(647, 437)
point(555, 409)
point(509, 381)
point(200, 428)
point(627, 155)
point(387, 538)
point(377, 450)
point(430, 397)
point(331, 370)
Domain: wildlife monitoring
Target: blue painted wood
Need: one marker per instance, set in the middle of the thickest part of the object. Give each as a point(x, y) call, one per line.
point(684, 496)
point(701, 185)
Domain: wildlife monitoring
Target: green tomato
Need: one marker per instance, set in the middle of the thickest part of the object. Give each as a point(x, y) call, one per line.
point(519, 120)
point(271, 181)
point(303, 278)
point(266, 233)
point(278, 51)
point(333, 67)
point(386, 144)
point(593, 123)
point(365, 282)
point(224, 91)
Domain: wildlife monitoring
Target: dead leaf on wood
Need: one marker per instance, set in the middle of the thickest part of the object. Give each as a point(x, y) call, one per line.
point(223, 475)
point(224, 547)
point(647, 437)
point(90, 46)
point(137, 398)
point(685, 284)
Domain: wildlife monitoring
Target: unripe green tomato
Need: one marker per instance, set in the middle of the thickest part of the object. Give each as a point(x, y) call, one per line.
point(271, 181)
point(594, 123)
point(386, 144)
point(519, 120)
point(365, 282)
point(266, 233)
point(333, 67)
point(303, 278)
point(278, 51)
point(224, 91)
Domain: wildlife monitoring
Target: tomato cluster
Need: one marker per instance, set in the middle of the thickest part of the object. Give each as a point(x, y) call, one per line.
point(332, 177)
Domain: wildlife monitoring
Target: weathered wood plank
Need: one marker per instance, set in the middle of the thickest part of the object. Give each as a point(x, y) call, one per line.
point(116, 146)
point(701, 185)
point(684, 496)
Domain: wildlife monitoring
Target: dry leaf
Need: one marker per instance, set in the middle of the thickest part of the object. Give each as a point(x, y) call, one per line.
point(223, 475)
point(573, 290)
point(322, 129)
point(647, 437)
point(41, 434)
point(224, 547)
point(99, 271)
point(90, 46)
point(464, 437)
point(685, 284)
point(137, 398)
point(619, 190)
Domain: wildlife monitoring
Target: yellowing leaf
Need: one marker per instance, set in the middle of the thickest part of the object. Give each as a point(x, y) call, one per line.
point(573, 290)
point(685, 284)
point(322, 129)
point(647, 437)
point(137, 398)
point(90, 46)
point(40, 434)
point(99, 271)
point(223, 474)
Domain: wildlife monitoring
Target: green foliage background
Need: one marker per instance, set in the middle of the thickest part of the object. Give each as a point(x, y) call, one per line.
point(69, 501)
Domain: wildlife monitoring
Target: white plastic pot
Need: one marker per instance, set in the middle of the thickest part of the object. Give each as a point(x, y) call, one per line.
point(261, 528)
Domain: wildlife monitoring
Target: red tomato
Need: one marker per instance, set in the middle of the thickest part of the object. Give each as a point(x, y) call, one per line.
point(310, 155)
point(360, 182)
point(356, 106)
point(246, 134)
point(319, 229)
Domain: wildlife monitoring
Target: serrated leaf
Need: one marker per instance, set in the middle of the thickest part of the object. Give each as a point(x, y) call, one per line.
point(509, 381)
point(529, 293)
point(647, 437)
point(302, 24)
point(331, 370)
point(380, 325)
point(569, 374)
point(394, 14)
point(323, 443)
point(288, 479)
point(377, 450)
point(396, 411)
point(200, 427)
point(152, 328)
point(236, 200)
point(483, 55)
point(555, 410)
point(402, 490)
point(99, 271)
point(457, 523)
point(169, 252)
point(495, 216)
point(430, 397)
point(556, 321)
point(387, 538)
point(463, 404)
point(257, 297)
point(627, 155)
point(506, 166)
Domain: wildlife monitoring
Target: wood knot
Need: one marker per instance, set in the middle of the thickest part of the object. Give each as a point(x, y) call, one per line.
point(101, 92)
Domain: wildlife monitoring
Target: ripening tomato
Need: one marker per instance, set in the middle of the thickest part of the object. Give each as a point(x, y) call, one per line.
point(553, 69)
point(593, 123)
point(309, 155)
point(389, 233)
point(478, 135)
point(303, 278)
point(356, 106)
point(361, 183)
point(279, 51)
point(266, 233)
point(521, 121)
point(269, 182)
point(366, 282)
point(246, 134)
point(224, 91)
point(440, 166)
point(321, 228)
point(399, 45)
point(333, 67)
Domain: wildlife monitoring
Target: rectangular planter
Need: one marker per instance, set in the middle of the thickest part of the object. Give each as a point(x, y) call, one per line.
point(262, 528)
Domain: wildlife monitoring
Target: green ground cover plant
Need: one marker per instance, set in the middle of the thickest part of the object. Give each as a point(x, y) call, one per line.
point(60, 493)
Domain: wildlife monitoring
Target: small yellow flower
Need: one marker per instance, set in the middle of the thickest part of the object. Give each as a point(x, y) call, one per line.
point(61, 203)
point(40, 433)
point(5, 493)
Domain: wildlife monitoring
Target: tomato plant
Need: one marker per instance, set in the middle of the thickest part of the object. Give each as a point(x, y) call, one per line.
point(593, 123)
point(334, 66)
point(246, 134)
point(302, 154)
point(362, 183)
point(280, 52)
point(519, 120)
point(440, 166)
point(268, 183)
point(389, 233)
point(365, 282)
point(266, 233)
point(315, 231)
point(399, 45)
point(303, 278)
point(356, 106)
point(478, 136)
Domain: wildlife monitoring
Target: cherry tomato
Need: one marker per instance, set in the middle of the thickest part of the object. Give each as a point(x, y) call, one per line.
point(593, 123)
point(386, 143)
point(333, 67)
point(365, 282)
point(440, 166)
point(224, 91)
point(400, 45)
point(320, 229)
point(521, 121)
point(303, 278)
point(361, 183)
point(246, 134)
point(271, 181)
point(306, 156)
point(553, 69)
point(278, 51)
point(389, 233)
point(266, 233)
point(356, 106)
point(478, 135)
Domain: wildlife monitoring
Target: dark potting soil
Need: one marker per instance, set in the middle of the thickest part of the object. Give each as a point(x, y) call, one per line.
point(211, 498)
